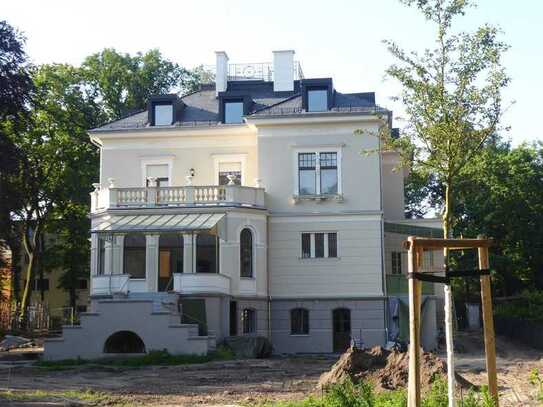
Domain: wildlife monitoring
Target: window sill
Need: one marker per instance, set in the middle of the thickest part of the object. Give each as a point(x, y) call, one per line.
point(300, 335)
point(318, 198)
point(319, 259)
point(247, 278)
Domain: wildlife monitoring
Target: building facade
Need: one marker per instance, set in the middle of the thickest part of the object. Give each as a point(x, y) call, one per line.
point(245, 208)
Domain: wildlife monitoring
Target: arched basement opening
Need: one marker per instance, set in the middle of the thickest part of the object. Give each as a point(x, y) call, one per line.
point(124, 342)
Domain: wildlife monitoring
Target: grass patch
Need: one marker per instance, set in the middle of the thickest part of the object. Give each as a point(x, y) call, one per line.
point(161, 358)
point(362, 394)
point(89, 396)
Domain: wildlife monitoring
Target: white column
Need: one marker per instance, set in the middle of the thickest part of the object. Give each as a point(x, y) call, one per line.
point(151, 261)
point(188, 253)
point(94, 254)
point(118, 254)
point(283, 70)
point(108, 255)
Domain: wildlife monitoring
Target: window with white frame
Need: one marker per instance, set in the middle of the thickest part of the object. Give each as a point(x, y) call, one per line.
point(158, 171)
point(396, 262)
point(229, 171)
point(318, 173)
point(319, 245)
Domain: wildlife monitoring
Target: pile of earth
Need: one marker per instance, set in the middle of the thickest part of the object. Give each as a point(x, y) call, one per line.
point(386, 369)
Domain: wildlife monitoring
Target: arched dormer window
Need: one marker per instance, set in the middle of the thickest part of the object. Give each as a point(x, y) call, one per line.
point(246, 253)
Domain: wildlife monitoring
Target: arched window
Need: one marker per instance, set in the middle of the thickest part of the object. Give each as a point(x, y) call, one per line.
point(248, 319)
point(134, 255)
point(246, 253)
point(207, 253)
point(299, 321)
point(124, 342)
point(170, 260)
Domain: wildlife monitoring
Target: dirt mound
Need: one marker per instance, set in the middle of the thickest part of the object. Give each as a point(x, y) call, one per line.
point(385, 369)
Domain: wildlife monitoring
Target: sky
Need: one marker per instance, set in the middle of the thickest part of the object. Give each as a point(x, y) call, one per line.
point(340, 38)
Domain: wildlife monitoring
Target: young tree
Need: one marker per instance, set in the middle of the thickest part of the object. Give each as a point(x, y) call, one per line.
point(452, 98)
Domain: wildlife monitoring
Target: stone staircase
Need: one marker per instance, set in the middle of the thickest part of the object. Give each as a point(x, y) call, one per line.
point(155, 320)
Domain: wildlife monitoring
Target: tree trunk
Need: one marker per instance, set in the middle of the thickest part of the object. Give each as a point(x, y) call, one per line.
point(447, 233)
point(30, 248)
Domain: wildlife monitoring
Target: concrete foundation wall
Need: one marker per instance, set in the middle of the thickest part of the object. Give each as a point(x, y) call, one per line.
point(367, 323)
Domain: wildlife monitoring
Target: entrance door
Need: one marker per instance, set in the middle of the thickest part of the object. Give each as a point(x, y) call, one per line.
point(342, 329)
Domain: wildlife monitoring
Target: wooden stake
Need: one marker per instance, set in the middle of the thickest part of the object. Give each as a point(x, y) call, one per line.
point(488, 326)
point(414, 329)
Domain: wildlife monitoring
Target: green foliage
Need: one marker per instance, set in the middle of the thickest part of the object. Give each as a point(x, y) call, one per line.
point(362, 394)
point(125, 82)
point(155, 357)
point(437, 396)
point(528, 307)
point(537, 380)
point(452, 97)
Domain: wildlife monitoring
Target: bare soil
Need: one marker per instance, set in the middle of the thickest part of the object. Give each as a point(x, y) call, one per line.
point(247, 382)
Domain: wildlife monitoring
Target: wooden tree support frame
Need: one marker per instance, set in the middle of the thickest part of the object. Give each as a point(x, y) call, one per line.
point(416, 247)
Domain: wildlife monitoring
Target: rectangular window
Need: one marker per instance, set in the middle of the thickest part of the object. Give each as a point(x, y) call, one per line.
point(328, 170)
point(307, 170)
point(101, 256)
point(319, 245)
point(82, 284)
point(317, 100)
point(332, 245)
point(229, 171)
point(233, 112)
point(396, 263)
point(318, 173)
point(158, 171)
point(306, 245)
point(163, 114)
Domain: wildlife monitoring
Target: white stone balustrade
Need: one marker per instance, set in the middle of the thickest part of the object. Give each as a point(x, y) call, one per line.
point(109, 284)
point(182, 196)
point(201, 283)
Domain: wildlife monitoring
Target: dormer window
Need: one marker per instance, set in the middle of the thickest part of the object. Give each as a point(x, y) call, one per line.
point(164, 109)
point(233, 111)
point(163, 113)
point(317, 99)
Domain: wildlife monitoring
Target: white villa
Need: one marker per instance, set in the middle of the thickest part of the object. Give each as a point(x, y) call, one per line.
point(247, 208)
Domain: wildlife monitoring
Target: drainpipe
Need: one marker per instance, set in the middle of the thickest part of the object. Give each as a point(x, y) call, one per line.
point(383, 259)
point(268, 276)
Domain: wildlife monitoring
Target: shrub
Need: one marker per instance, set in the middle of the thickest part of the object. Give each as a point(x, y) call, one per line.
point(528, 306)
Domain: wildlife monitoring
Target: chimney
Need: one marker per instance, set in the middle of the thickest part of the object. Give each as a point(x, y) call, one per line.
point(283, 71)
point(221, 74)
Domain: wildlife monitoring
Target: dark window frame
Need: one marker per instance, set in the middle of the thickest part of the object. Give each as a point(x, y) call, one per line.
point(246, 253)
point(299, 321)
point(217, 254)
point(248, 321)
point(128, 249)
point(310, 165)
point(396, 263)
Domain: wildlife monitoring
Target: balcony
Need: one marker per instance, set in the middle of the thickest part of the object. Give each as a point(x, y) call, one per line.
point(109, 284)
point(397, 284)
point(201, 283)
point(185, 196)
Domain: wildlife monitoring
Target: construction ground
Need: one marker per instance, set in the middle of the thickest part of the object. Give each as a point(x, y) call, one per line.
point(235, 382)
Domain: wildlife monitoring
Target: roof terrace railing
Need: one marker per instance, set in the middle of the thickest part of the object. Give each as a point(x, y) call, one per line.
point(254, 71)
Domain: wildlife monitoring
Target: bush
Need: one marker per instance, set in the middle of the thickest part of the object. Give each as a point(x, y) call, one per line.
point(528, 307)
point(362, 394)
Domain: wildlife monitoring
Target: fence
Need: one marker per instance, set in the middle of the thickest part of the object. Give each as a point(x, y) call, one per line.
point(40, 320)
point(525, 331)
